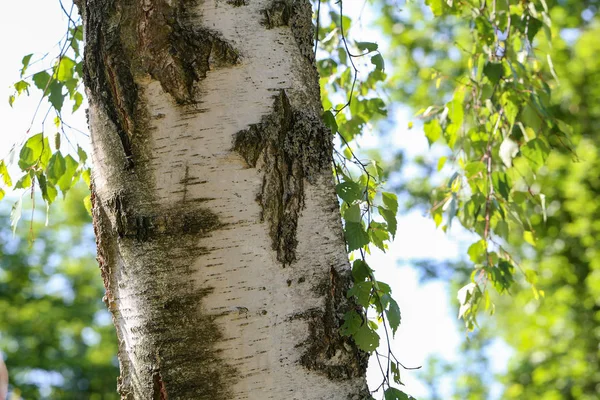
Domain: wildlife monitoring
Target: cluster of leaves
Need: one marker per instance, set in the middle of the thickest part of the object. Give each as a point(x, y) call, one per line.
point(65, 74)
point(499, 130)
point(351, 73)
point(555, 342)
point(40, 160)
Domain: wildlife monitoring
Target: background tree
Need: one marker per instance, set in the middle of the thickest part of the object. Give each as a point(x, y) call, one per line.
point(54, 329)
point(555, 340)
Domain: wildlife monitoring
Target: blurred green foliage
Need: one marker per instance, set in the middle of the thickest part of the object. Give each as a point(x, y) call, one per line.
point(556, 339)
point(55, 333)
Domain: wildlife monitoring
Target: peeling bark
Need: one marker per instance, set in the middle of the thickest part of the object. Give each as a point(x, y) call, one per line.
point(218, 231)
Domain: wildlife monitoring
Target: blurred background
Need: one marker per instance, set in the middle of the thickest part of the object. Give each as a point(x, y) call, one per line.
point(56, 336)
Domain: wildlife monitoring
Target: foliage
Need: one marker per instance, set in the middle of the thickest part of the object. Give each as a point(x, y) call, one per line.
point(43, 165)
point(557, 344)
point(351, 73)
point(55, 332)
point(555, 339)
point(490, 78)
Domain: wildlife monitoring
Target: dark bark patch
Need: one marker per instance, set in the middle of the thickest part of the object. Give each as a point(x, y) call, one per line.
point(325, 350)
point(130, 222)
point(156, 248)
point(238, 3)
point(295, 146)
point(160, 391)
point(303, 28)
point(107, 74)
point(277, 14)
point(297, 14)
point(174, 50)
point(131, 39)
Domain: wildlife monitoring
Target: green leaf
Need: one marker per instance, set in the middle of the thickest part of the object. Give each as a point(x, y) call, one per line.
point(352, 214)
point(77, 32)
point(390, 219)
point(78, 99)
point(366, 339)
point(535, 152)
point(529, 238)
point(377, 61)
point(356, 236)
point(383, 288)
point(362, 292)
point(56, 167)
point(56, 96)
point(329, 120)
point(64, 69)
point(456, 111)
point(31, 151)
point(441, 163)
point(393, 315)
point(85, 175)
point(81, 154)
point(510, 109)
point(378, 235)
point(25, 61)
point(349, 191)
point(531, 276)
point(433, 130)
point(41, 80)
point(352, 323)
point(71, 85)
point(4, 174)
point(392, 393)
point(564, 127)
point(396, 373)
point(502, 229)
point(24, 182)
point(493, 71)
point(66, 180)
point(87, 203)
point(391, 201)
point(21, 86)
point(501, 183)
point(48, 190)
point(533, 28)
point(502, 275)
point(437, 6)
point(361, 271)
point(531, 118)
point(477, 251)
point(369, 46)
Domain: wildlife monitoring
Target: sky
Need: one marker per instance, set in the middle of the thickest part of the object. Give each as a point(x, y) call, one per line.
point(429, 325)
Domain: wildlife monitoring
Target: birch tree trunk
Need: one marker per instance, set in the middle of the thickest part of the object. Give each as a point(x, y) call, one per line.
point(218, 230)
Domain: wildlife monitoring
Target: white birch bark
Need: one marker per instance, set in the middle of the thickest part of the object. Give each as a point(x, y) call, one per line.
point(218, 230)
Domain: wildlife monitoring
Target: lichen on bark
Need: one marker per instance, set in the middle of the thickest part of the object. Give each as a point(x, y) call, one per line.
point(289, 146)
point(325, 350)
point(155, 248)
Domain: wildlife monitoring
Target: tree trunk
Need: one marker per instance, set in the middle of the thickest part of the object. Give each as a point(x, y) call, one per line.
point(218, 230)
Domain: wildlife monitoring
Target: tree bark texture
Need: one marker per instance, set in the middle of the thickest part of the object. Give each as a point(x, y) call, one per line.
point(218, 230)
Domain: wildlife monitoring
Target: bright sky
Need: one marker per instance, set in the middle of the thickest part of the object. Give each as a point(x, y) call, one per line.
point(428, 322)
